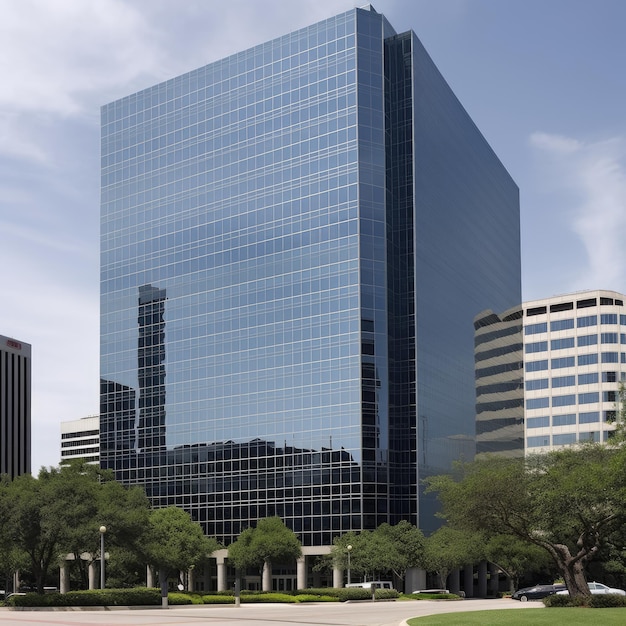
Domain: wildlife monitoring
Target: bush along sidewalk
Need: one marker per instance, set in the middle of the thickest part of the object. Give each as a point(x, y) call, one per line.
point(152, 597)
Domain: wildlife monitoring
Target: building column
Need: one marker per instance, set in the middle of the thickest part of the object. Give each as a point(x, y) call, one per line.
point(414, 579)
point(221, 573)
point(317, 578)
point(92, 574)
point(267, 576)
point(206, 577)
point(64, 577)
point(455, 581)
point(149, 576)
point(191, 579)
point(494, 579)
point(301, 572)
point(482, 579)
point(337, 577)
point(468, 581)
point(16, 580)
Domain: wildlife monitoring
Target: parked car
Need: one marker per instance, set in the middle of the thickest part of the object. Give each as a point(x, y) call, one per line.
point(599, 589)
point(377, 584)
point(537, 592)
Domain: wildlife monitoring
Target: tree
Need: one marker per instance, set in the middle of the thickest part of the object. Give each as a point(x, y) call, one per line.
point(404, 547)
point(447, 549)
point(269, 542)
point(91, 498)
point(61, 511)
point(515, 557)
point(566, 502)
point(384, 551)
point(365, 557)
point(175, 543)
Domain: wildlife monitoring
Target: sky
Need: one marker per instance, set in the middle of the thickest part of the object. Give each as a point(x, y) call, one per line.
point(543, 80)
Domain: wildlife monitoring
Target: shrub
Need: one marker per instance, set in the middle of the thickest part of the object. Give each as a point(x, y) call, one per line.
point(610, 600)
point(309, 597)
point(557, 600)
point(267, 597)
point(216, 598)
point(332, 592)
point(178, 598)
point(599, 601)
point(432, 596)
point(95, 597)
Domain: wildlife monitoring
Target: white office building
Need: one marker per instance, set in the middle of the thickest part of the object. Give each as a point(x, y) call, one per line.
point(80, 439)
point(574, 360)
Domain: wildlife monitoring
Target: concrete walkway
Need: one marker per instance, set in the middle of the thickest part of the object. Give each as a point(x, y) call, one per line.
point(322, 614)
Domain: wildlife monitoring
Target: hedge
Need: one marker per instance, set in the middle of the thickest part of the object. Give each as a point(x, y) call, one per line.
point(596, 601)
point(152, 597)
point(140, 596)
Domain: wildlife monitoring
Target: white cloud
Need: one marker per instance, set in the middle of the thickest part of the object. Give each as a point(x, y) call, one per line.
point(53, 53)
point(593, 176)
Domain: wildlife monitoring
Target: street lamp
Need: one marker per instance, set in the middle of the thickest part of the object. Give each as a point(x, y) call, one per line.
point(349, 549)
point(103, 530)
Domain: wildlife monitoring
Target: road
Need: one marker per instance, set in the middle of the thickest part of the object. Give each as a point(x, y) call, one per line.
point(330, 614)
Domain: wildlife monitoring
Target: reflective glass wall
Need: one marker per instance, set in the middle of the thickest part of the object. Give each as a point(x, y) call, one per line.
point(268, 319)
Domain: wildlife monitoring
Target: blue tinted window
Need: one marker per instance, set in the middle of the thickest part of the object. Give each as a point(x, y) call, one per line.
point(533, 329)
point(587, 340)
point(608, 318)
point(563, 381)
point(562, 324)
point(564, 420)
point(587, 359)
point(564, 361)
point(593, 436)
point(561, 344)
point(589, 417)
point(565, 439)
point(565, 400)
point(609, 396)
point(537, 403)
point(587, 320)
point(588, 398)
point(622, 319)
point(540, 383)
point(588, 379)
point(536, 366)
point(538, 442)
point(537, 346)
point(538, 422)
point(608, 337)
point(609, 357)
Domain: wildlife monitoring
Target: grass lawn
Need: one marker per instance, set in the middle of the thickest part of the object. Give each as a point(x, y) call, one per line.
point(526, 617)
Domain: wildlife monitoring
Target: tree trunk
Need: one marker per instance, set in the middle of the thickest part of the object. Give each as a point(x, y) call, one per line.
point(572, 568)
point(163, 583)
point(443, 577)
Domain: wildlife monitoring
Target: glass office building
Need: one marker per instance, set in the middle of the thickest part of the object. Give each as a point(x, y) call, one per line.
point(295, 242)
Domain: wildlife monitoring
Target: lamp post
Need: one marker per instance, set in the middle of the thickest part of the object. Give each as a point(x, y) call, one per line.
point(349, 549)
point(103, 530)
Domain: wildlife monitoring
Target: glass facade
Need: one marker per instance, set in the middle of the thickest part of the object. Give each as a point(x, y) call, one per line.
point(287, 292)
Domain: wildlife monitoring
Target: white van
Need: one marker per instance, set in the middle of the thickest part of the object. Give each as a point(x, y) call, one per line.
point(377, 584)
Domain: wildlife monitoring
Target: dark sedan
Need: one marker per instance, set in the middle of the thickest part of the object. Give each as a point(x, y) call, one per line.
point(537, 592)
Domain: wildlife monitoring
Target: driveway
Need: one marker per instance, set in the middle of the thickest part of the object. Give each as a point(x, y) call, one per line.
point(323, 614)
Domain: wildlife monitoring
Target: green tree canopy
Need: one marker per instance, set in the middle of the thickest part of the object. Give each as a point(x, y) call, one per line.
point(175, 543)
point(566, 502)
point(61, 511)
point(515, 557)
point(448, 548)
point(269, 541)
point(381, 552)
